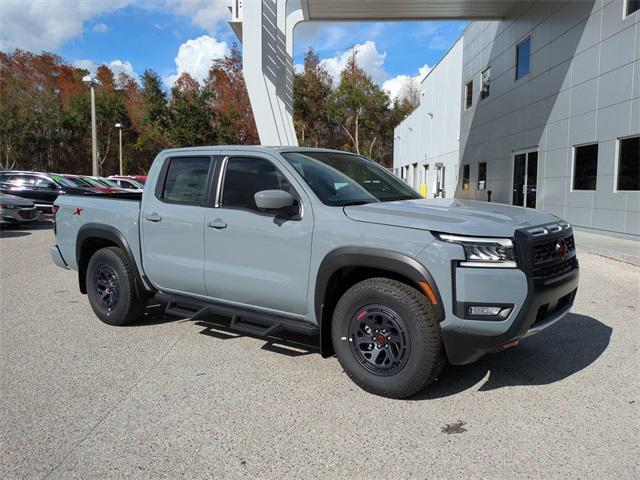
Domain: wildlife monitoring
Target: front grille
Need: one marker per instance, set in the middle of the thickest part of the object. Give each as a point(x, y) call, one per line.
point(556, 270)
point(28, 214)
point(548, 250)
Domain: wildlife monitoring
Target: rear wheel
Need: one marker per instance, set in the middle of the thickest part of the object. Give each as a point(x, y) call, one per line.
point(387, 338)
point(111, 287)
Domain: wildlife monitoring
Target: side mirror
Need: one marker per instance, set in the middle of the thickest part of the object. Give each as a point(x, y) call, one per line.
point(274, 200)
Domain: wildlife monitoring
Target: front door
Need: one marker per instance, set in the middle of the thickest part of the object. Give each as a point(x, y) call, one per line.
point(525, 178)
point(255, 258)
point(172, 225)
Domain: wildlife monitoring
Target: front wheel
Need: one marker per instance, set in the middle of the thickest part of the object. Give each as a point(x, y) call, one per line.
point(111, 287)
point(387, 338)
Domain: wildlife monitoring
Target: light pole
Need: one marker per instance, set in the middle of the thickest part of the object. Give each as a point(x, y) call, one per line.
point(91, 81)
point(119, 127)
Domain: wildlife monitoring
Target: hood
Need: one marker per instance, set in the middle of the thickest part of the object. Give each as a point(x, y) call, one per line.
point(15, 201)
point(462, 217)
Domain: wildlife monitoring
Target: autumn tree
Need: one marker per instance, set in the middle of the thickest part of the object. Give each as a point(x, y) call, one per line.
point(229, 101)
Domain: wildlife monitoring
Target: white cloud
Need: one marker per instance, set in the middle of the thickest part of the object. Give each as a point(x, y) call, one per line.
point(367, 56)
point(206, 14)
point(100, 28)
point(117, 66)
point(394, 85)
point(195, 57)
point(47, 24)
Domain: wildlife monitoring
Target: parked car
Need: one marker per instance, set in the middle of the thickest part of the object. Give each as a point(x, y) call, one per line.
point(41, 188)
point(15, 210)
point(127, 183)
point(92, 183)
point(135, 179)
point(328, 244)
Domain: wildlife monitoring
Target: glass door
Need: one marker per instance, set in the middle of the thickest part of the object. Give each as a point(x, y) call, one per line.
point(525, 179)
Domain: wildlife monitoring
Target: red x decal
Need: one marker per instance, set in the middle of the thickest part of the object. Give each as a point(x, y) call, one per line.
point(78, 211)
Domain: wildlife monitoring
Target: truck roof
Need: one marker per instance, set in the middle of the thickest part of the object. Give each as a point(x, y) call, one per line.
point(254, 148)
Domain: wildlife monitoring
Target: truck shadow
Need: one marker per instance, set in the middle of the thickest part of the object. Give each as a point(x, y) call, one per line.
point(571, 345)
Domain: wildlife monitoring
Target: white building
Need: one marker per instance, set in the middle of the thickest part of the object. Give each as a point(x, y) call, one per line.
point(426, 147)
point(549, 105)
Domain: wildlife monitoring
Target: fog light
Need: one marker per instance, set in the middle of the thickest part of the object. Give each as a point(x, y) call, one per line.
point(484, 310)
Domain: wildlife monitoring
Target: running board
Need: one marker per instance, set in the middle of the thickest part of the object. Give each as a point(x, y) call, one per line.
point(244, 321)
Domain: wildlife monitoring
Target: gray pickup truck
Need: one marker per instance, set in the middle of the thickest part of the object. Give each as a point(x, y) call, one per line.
point(322, 243)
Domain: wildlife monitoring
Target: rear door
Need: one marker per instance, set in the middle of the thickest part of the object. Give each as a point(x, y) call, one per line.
point(172, 224)
point(254, 258)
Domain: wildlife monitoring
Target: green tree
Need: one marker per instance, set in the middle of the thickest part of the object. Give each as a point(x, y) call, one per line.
point(191, 118)
point(311, 91)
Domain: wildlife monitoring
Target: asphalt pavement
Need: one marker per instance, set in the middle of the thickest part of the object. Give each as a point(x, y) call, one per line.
point(173, 398)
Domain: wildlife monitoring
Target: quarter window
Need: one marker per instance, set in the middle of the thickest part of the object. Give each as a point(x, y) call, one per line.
point(246, 176)
point(186, 180)
point(485, 78)
point(465, 176)
point(468, 95)
point(629, 164)
point(585, 168)
point(482, 175)
point(523, 52)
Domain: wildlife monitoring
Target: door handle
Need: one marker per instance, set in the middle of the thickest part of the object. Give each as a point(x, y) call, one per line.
point(154, 217)
point(217, 224)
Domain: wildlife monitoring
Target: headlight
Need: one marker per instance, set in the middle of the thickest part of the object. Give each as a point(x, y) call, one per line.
point(484, 252)
point(7, 207)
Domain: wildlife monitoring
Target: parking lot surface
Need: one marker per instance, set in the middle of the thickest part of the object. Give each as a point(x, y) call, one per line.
point(173, 398)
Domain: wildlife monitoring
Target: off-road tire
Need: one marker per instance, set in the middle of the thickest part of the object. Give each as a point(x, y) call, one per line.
point(129, 307)
point(426, 353)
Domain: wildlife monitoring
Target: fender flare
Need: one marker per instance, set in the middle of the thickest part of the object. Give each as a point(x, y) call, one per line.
point(371, 258)
point(113, 235)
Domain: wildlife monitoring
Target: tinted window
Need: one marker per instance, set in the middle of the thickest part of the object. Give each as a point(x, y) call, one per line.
point(340, 179)
point(186, 180)
point(585, 168)
point(246, 176)
point(523, 50)
point(468, 95)
point(632, 6)
point(485, 83)
point(482, 175)
point(465, 176)
point(629, 164)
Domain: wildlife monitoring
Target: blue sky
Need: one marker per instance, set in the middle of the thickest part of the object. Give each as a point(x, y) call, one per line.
point(172, 36)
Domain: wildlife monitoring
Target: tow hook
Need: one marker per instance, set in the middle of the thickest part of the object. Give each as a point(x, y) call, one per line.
point(510, 344)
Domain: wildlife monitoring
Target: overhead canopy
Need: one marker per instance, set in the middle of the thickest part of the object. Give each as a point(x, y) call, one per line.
point(345, 10)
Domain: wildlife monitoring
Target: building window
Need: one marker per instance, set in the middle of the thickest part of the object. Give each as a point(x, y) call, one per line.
point(585, 167)
point(465, 176)
point(468, 95)
point(523, 51)
point(629, 163)
point(485, 78)
point(631, 6)
point(482, 176)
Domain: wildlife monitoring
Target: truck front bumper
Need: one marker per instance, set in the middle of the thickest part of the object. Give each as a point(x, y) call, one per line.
point(546, 302)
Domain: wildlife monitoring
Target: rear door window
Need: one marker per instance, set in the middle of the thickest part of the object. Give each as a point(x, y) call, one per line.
point(186, 180)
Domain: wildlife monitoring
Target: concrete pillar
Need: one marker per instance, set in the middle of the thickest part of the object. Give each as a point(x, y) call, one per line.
point(267, 51)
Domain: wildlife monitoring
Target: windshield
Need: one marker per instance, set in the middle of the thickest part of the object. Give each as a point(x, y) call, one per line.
point(340, 179)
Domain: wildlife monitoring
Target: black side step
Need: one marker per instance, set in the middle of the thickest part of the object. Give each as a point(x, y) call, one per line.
point(244, 321)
